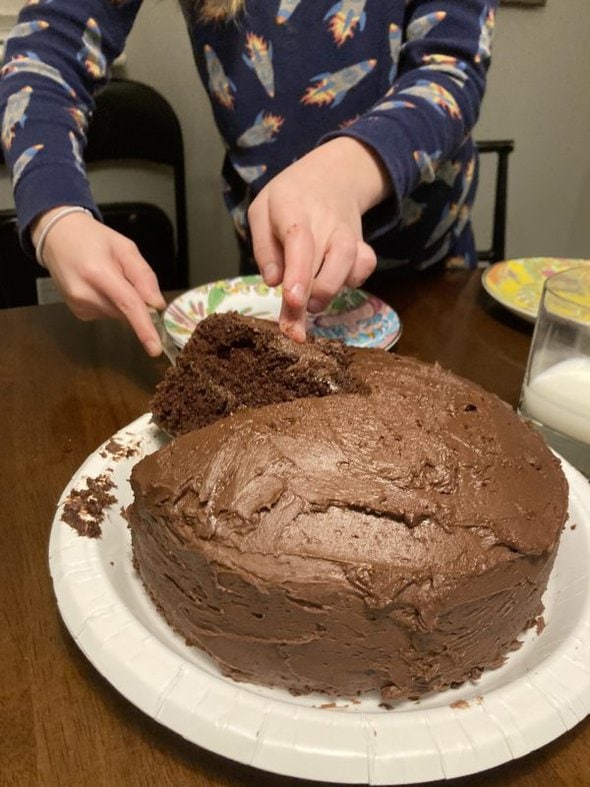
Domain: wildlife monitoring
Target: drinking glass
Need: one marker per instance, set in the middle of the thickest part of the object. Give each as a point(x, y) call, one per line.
point(556, 390)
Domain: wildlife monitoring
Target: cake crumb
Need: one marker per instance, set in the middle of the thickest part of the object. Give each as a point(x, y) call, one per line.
point(460, 705)
point(540, 624)
point(118, 450)
point(84, 509)
point(573, 526)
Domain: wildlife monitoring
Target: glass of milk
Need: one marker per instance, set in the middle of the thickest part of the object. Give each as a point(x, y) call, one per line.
point(556, 390)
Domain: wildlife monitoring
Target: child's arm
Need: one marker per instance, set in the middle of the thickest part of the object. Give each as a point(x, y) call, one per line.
point(100, 273)
point(437, 78)
point(306, 226)
point(56, 58)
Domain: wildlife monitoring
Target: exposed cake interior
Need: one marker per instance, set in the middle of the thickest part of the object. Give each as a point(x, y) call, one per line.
point(232, 362)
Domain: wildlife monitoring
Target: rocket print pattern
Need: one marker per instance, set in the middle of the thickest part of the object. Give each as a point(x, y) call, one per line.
point(32, 64)
point(15, 114)
point(238, 216)
point(452, 66)
point(333, 88)
point(427, 164)
point(259, 58)
point(344, 18)
point(286, 9)
point(389, 102)
point(90, 55)
point(411, 212)
point(436, 95)
point(395, 43)
point(76, 152)
point(264, 129)
point(250, 174)
point(488, 21)
point(447, 172)
point(80, 119)
point(420, 27)
point(220, 86)
point(451, 212)
point(23, 162)
point(27, 29)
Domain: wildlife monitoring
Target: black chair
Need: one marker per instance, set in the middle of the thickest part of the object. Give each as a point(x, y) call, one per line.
point(132, 123)
point(501, 149)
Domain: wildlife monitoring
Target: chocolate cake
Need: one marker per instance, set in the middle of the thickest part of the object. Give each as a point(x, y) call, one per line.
point(398, 541)
point(232, 362)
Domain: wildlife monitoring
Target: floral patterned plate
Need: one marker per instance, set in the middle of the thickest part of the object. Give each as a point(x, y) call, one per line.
point(355, 317)
point(518, 284)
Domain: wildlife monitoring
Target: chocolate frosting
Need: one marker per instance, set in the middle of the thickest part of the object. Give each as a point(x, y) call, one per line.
point(398, 541)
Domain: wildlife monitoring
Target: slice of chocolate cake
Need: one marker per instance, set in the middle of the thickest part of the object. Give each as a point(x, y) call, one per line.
point(232, 362)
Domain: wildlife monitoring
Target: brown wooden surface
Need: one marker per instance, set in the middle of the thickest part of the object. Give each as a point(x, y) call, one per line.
point(67, 386)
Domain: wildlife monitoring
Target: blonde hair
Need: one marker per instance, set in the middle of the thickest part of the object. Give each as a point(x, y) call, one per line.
point(212, 10)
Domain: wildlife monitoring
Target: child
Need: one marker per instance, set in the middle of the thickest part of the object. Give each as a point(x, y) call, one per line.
point(347, 126)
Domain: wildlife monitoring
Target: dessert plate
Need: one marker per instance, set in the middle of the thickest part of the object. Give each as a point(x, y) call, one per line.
point(541, 691)
point(355, 317)
point(518, 284)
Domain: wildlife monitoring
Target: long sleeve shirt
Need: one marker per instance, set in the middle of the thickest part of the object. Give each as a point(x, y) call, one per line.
point(406, 77)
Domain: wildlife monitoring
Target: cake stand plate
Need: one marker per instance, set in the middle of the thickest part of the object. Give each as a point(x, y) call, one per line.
point(540, 692)
point(355, 317)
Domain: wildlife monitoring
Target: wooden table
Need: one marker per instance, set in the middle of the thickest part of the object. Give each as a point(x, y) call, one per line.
point(66, 386)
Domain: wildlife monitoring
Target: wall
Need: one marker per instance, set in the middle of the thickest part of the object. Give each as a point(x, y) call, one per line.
point(538, 95)
point(159, 53)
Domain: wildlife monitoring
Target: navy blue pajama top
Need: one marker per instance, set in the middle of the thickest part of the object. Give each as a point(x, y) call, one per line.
point(404, 76)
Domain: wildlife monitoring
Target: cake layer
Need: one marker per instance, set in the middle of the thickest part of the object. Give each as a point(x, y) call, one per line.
point(232, 362)
point(398, 541)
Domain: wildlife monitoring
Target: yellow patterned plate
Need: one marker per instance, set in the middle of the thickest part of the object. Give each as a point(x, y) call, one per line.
point(518, 284)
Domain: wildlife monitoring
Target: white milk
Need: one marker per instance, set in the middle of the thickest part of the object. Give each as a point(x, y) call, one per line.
point(559, 398)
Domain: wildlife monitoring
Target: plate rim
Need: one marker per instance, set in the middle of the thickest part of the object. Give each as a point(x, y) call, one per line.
point(526, 314)
point(212, 723)
point(392, 338)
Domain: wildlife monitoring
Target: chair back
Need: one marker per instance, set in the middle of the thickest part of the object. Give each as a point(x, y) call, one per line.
point(501, 148)
point(132, 123)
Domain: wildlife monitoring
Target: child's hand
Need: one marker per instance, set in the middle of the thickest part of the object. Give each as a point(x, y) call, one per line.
point(306, 227)
point(101, 273)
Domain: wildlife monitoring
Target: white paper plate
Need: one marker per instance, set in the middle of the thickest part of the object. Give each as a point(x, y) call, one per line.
point(355, 317)
point(542, 691)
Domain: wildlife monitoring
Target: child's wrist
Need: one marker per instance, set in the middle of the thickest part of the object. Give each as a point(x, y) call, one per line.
point(36, 226)
point(44, 223)
point(369, 178)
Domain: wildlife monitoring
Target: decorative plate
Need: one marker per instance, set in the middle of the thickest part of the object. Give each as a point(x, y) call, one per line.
point(518, 284)
point(354, 316)
point(541, 691)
